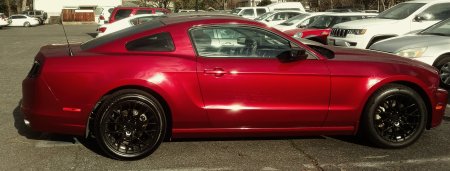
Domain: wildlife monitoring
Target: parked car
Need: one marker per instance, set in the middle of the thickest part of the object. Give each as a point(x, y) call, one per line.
point(401, 19)
point(212, 76)
point(123, 12)
point(321, 27)
point(254, 12)
point(299, 21)
point(102, 14)
point(39, 14)
point(4, 21)
point(23, 20)
point(125, 23)
point(250, 12)
point(431, 46)
point(277, 17)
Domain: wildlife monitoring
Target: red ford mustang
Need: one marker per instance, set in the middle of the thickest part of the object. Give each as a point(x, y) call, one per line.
point(222, 76)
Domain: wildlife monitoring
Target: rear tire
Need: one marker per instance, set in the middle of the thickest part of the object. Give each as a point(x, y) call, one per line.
point(130, 125)
point(394, 117)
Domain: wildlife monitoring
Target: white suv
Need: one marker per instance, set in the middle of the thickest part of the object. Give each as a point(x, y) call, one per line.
point(401, 19)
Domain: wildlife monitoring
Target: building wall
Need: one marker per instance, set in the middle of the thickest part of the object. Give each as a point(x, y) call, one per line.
point(54, 7)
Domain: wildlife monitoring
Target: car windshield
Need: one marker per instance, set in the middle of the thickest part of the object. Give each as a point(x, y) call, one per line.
point(236, 11)
point(400, 11)
point(121, 34)
point(441, 29)
point(264, 16)
point(294, 20)
point(322, 22)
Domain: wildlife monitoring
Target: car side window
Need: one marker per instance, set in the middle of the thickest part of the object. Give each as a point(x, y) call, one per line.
point(123, 13)
point(437, 12)
point(260, 11)
point(161, 42)
point(248, 12)
point(21, 17)
point(238, 42)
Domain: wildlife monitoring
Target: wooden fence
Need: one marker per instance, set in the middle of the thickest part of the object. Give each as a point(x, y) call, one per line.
point(71, 15)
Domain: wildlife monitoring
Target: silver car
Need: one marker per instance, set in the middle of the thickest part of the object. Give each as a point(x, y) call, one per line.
point(431, 46)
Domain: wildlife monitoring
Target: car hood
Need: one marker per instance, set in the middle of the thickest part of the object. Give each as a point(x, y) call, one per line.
point(365, 23)
point(410, 41)
point(360, 55)
point(293, 31)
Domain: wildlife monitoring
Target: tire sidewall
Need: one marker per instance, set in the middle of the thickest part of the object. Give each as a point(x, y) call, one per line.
point(369, 114)
point(105, 109)
point(26, 24)
point(444, 60)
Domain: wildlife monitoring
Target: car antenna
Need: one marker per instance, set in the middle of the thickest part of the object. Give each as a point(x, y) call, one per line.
point(67, 40)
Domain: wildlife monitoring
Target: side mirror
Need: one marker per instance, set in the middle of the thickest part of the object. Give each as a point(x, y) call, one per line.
point(301, 26)
point(268, 20)
point(292, 55)
point(423, 16)
point(241, 40)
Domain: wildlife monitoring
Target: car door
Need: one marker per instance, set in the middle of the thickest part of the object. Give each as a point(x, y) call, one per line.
point(245, 85)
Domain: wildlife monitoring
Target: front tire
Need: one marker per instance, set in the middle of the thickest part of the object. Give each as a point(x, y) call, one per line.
point(443, 65)
point(130, 125)
point(26, 24)
point(394, 117)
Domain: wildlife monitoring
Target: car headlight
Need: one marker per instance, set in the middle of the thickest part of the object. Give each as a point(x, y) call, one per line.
point(298, 35)
point(412, 53)
point(357, 31)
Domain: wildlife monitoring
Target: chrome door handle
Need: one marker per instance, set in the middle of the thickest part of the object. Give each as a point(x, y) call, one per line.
point(218, 72)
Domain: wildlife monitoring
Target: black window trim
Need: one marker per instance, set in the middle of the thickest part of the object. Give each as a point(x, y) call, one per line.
point(291, 43)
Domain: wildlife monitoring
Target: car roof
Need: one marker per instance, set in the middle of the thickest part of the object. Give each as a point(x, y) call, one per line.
point(137, 8)
point(187, 17)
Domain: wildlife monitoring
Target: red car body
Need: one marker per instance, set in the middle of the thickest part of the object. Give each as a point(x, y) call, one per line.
point(319, 35)
point(130, 11)
point(220, 97)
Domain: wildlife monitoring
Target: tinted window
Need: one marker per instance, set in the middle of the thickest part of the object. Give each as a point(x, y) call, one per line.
point(260, 11)
point(437, 12)
point(120, 34)
point(161, 42)
point(248, 12)
point(238, 42)
point(122, 13)
point(38, 13)
point(144, 12)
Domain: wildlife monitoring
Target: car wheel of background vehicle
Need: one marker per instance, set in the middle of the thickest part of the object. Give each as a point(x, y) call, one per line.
point(394, 117)
point(130, 125)
point(26, 24)
point(443, 65)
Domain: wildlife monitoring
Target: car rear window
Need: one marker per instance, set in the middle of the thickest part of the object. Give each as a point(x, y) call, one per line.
point(144, 12)
point(121, 34)
point(122, 13)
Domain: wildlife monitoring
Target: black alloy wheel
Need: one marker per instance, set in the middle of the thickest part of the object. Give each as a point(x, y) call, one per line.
point(394, 117)
point(131, 125)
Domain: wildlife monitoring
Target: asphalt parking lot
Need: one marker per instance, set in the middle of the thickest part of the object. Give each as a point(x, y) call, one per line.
point(26, 150)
